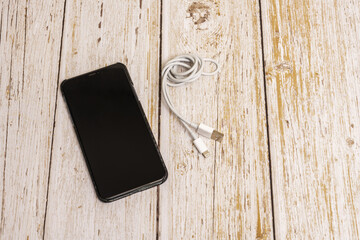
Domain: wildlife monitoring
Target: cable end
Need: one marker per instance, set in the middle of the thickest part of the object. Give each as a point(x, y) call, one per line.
point(206, 154)
point(201, 147)
point(209, 132)
point(217, 136)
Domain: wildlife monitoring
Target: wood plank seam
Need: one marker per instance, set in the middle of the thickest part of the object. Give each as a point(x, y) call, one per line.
point(54, 117)
point(159, 117)
point(216, 155)
point(6, 144)
point(267, 118)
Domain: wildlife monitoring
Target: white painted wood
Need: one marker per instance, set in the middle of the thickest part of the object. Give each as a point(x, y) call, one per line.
point(312, 76)
point(97, 34)
point(242, 179)
point(29, 54)
point(226, 196)
point(312, 73)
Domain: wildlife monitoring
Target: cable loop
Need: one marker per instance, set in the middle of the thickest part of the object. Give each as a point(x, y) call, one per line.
point(192, 69)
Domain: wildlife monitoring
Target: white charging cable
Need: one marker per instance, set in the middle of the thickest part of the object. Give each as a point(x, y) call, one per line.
point(193, 69)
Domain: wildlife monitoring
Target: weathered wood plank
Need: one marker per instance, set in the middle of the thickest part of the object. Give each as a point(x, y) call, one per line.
point(312, 74)
point(97, 34)
point(29, 53)
point(242, 180)
point(228, 194)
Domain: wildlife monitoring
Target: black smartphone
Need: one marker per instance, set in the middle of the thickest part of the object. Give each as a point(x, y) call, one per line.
point(115, 137)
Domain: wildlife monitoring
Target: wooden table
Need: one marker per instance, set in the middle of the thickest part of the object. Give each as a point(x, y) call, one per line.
point(287, 99)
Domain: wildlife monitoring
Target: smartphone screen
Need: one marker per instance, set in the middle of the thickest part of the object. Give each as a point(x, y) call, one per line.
point(112, 129)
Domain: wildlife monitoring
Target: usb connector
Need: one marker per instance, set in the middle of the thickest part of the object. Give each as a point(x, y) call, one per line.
point(201, 147)
point(209, 132)
point(217, 136)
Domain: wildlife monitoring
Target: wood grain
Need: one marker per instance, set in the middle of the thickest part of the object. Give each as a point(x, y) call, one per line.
point(312, 74)
point(242, 180)
point(312, 58)
point(97, 34)
point(226, 196)
point(29, 54)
